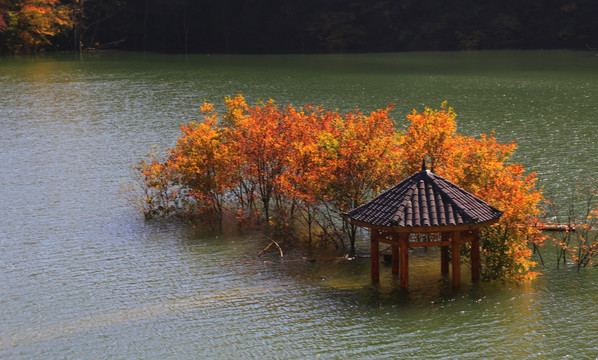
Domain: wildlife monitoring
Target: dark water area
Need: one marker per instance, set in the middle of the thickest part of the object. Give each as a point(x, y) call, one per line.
point(84, 276)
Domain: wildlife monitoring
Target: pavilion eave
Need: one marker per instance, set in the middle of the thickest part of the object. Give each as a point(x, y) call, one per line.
point(423, 229)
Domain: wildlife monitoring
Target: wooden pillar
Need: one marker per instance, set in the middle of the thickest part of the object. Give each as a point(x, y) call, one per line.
point(456, 246)
point(444, 254)
point(404, 262)
point(395, 258)
point(374, 257)
point(475, 256)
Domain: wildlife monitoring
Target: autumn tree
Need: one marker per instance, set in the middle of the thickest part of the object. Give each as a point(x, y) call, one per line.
point(28, 26)
point(578, 245)
point(303, 167)
point(354, 158)
point(310, 161)
point(258, 134)
point(481, 166)
point(154, 190)
point(429, 135)
point(205, 166)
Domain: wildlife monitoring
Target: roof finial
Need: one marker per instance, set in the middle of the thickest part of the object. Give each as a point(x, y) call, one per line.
point(424, 164)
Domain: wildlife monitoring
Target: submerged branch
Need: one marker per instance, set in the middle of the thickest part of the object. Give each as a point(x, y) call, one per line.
point(272, 242)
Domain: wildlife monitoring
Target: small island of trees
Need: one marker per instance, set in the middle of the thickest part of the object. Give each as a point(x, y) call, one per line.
point(298, 169)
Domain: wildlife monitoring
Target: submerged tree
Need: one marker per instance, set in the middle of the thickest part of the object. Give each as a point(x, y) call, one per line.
point(354, 160)
point(205, 165)
point(578, 244)
point(299, 169)
point(481, 166)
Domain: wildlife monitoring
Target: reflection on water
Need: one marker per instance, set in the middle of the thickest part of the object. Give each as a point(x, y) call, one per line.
point(83, 276)
point(136, 314)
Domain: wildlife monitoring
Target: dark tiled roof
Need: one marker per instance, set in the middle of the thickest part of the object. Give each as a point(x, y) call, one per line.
point(424, 200)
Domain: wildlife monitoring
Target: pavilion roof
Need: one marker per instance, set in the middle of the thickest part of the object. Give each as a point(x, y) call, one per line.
point(424, 200)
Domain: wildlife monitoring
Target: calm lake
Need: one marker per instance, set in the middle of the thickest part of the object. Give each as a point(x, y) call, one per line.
point(83, 276)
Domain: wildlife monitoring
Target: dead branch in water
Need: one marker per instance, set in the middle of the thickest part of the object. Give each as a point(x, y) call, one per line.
point(272, 242)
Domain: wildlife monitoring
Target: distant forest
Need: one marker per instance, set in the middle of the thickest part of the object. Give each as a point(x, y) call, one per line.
point(307, 26)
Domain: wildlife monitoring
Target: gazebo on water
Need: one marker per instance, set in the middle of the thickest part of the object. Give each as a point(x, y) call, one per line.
point(424, 203)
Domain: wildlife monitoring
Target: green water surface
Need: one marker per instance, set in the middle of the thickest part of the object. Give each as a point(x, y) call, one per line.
point(83, 276)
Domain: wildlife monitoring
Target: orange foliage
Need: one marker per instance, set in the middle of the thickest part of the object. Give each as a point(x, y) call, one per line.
point(356, 156)
point(30, 24)
point(308, 165)
point(205, 165)
point(156, 182)
point(350, 159)
point(480, 166)
point(430, 135)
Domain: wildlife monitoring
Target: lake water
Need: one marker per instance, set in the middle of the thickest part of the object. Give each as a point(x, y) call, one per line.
point(83, 276)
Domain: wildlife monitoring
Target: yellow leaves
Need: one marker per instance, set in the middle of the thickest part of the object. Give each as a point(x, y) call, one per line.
point(237, 108)
point(430, 135)
point(328, 142)
point(206, 108)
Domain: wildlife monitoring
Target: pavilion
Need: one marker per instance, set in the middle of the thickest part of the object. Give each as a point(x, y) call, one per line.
point(425, 203)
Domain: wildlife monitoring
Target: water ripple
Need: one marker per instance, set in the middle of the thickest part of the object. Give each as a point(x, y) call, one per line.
point(83, 276)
